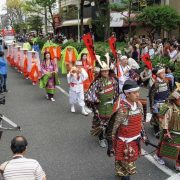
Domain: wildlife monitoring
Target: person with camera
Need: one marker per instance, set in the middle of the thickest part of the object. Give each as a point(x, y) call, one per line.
point(3, 73)
point(76, 77)
point(20, 167)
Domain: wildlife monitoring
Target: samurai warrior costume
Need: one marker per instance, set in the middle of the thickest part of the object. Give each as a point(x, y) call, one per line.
point(158, 94)
point(170, 131)
point(126, 134)
point(101, 97)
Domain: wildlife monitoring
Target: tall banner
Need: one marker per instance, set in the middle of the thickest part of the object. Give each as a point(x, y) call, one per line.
point(112, 45)
point(147, 61)
point(88, 41)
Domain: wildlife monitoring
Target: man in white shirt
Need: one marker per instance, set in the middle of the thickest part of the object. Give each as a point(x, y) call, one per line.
point(19, 167)
point(133, 64)
point(144, 49)
point(124, 71)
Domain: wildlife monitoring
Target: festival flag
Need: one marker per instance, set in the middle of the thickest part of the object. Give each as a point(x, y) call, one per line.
point(112, 45)
point(88, 41)
point(147, 61)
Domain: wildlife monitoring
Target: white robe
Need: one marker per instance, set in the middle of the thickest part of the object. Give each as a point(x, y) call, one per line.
point(123, 76)
point(76, 89)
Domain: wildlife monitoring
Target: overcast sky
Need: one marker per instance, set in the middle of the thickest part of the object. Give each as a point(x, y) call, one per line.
point(2, 4)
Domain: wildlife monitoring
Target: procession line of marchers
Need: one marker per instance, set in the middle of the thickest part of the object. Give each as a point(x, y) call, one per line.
point(163, 168)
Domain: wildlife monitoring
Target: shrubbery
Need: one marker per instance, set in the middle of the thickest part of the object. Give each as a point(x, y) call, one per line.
point(102, 47)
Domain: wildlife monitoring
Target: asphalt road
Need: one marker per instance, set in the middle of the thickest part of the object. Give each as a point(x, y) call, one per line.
point(59, 140)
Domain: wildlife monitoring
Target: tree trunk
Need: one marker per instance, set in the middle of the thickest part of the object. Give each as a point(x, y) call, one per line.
point(129, 19)
point(81, 17)
point(107, 23)
point(45, 19)
point(52, 23)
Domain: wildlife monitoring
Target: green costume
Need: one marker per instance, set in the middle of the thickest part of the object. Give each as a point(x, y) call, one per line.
point(62, 64)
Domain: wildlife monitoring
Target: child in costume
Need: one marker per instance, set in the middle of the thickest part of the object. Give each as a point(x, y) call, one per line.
point(76, 77)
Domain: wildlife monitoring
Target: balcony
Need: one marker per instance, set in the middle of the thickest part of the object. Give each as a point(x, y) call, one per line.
point(65, 3)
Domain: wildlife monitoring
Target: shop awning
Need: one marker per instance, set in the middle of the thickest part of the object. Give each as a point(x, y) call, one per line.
point(120, 19)
point(74, 22)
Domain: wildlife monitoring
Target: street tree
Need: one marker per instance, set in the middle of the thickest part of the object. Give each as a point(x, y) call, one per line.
point(20, 27)
point(35, 22)
point(14, 10)
point(81, 16)
point(159, 18)
point(131, 7)
point(102, 21)
point(41, 7)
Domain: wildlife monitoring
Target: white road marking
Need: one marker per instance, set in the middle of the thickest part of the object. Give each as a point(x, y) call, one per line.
point(163, 168)
point(175, 177)
point(62, 90)
point(150, 158)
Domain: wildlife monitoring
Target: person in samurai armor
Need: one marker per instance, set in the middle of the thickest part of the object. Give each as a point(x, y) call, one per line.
point(101, 96)
point(128, 131)
point(158, 94)
point(170, 130)
point(76, 77)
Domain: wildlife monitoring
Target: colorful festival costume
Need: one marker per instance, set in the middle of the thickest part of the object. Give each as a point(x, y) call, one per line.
point(158, 94)
point(49, 78)
point(25, 64)
point(126, 134)
point(101, 96)
point(170, 130)
point(75, 78)
point(88, 65)
point(68, 59)
point(35, 71)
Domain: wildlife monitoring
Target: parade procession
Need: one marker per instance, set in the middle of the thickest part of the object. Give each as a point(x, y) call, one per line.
point(93, 98)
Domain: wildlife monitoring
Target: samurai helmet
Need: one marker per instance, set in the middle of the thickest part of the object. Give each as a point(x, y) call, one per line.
point(104, 66)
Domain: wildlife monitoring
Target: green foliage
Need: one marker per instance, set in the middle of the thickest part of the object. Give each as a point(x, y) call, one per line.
point(119, 7)
point(19, 27)
point(160, 17)
point(79, 46)
point(177, 70)
point(35, 23)
point(163, 61)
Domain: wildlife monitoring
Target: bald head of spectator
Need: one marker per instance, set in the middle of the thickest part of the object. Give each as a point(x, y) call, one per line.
point(18, 145)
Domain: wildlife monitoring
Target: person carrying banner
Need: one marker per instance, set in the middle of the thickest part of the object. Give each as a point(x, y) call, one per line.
point(101, 96)
point(170, 130)
point(88, 66)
